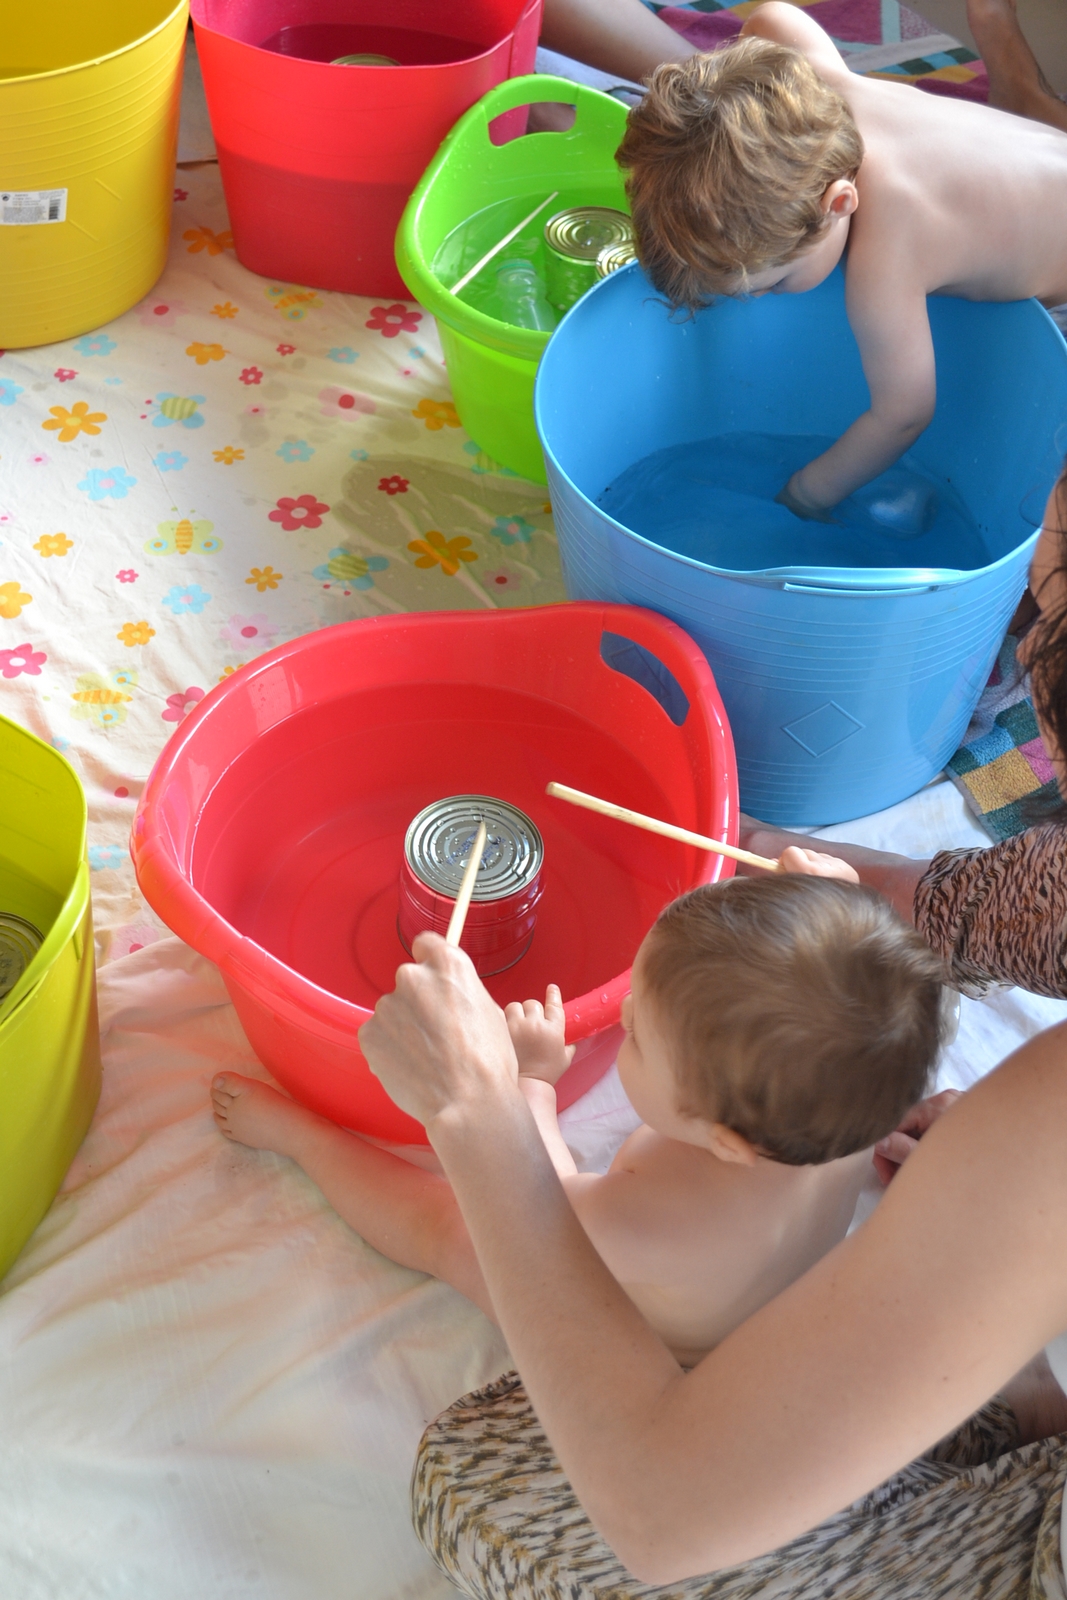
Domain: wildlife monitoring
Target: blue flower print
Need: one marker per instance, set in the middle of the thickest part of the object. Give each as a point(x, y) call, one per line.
point(9, 392)
point(185, 598)
point(170, 460)
point(102, 485)
point(95, 344)
point(483, 463)
point(176, 408)
point(343, 353)
point(112, 380)
point(512, 530)
point(345, 570)
point(102, 856)
point(416, 351)
point(295, 450)
point(59, 743)
point(358, 455)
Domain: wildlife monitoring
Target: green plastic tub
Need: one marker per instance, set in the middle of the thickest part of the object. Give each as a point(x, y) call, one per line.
point(49, 1040)
point(471, 195)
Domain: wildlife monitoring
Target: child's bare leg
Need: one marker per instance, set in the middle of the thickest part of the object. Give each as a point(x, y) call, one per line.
point(1016, 82)
point(616, 36)
point(406, 1213)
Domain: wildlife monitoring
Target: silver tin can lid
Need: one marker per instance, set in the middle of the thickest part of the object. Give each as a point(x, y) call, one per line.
point(439, 841)
point(614, 256)
point(582, 232)
point(19, 943)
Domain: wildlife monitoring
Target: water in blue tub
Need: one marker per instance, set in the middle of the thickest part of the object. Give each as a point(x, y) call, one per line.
point(714, 501)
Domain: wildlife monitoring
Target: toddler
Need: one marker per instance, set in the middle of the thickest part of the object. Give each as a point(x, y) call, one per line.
point(777, 1028)
point(758, 168)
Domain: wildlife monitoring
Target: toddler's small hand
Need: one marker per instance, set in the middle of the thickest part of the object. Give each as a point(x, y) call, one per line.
point(794, 500)
point(813, 864)
point(891, 1152)
point(538, 1036)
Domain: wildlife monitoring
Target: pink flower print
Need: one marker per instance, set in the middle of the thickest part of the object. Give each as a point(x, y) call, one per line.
point(39, 459)
point(23, 658)
point(64, 374)
point(503, 578)
point(255, 411)
point(179, 194)
point(286, 349)
point(179, 705)
point(334, 402)
point(394, 485)
point(250, 634)
point(394, 319)
point(304, 512)
point(160, 311)
point(251, 375)
point(127, 575)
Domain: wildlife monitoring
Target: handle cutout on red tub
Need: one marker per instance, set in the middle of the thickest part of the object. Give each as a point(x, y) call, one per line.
point(634, 661)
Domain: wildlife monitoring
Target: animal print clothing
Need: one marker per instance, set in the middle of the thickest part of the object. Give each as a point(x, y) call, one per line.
point(999, 914)
point(974, 1519)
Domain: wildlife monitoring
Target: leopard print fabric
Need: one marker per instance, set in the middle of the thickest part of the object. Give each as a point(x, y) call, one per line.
point(999, 915)
point(974, 1519)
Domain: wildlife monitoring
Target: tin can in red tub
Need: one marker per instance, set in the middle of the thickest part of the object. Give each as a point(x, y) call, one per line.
point(503, 910)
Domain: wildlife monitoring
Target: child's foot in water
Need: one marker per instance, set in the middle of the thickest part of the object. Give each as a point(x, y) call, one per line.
point(255, 1114)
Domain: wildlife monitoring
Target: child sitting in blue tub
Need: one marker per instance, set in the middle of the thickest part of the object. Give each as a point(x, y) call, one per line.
point(777, 1028)
point(756, 169)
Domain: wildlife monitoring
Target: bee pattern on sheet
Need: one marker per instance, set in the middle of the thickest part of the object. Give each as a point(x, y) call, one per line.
point(183, 538)
point(167, 409)
point(101, 699)
point(292, 301)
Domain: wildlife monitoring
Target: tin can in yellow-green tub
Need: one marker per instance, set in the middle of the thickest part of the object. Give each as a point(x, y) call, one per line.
point(575, 239)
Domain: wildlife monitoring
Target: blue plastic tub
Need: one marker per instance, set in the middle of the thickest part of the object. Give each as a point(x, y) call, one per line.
point(847, 688)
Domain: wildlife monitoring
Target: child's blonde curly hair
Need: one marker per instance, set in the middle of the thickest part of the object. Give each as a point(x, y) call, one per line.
point(729, 155)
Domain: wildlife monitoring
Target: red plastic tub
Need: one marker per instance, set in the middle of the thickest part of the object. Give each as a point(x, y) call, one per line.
point(271, 830)
point(317, 160)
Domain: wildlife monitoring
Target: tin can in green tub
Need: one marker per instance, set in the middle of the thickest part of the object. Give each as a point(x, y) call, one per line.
point(574, 239)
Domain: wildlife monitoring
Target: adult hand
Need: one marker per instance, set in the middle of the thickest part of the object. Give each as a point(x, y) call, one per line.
point(891, 1153)
point(439, 1040)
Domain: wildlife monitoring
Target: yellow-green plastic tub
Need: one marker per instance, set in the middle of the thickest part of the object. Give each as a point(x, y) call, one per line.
point(49, 1040)
point(89, 96)
point(492, 364)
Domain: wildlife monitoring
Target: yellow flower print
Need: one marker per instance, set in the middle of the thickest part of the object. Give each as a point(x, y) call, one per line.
point(225, 311)
point(204, 239)
point(265, 578)
point(435, 550)
point(228, 455)
point(79, 419)
point(12, 599)
point(53, 544)
point(203, 353)
point(437, 414)
point(227, 672)
point(132, 633)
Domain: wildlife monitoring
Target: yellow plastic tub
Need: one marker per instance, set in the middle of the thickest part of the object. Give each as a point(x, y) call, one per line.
point(49, 1040)
point(89, 99)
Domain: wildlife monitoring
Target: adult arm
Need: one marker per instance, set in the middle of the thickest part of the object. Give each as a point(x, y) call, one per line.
point(615, 36)
point(893, 1339)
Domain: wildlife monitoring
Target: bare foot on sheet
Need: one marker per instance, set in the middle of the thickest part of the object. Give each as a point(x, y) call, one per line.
point(254, 1114)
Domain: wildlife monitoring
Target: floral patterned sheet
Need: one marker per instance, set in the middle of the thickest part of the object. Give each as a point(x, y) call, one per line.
point(230, 464)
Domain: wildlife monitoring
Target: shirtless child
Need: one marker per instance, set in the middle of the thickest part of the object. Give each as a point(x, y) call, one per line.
point(777, 1028)
point(754, 169)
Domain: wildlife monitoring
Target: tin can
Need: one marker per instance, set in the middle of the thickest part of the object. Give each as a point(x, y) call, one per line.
point(503, 910)
point(365, 58)
point(614, 256)
point(574, 240)
point(19, 943)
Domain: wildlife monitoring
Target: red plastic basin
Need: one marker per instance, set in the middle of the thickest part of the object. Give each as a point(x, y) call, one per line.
point(270, 832)
point(318, 161)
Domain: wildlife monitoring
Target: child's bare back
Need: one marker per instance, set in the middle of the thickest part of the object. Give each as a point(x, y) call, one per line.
point(950, 197)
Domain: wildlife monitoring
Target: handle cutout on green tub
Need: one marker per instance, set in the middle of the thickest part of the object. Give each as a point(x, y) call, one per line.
point(634, 661)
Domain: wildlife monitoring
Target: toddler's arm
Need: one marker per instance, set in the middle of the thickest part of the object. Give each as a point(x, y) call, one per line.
point(887, 311)
point(538, 1034)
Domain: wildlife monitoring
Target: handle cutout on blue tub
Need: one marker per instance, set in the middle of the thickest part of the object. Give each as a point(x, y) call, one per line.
point(634, 661)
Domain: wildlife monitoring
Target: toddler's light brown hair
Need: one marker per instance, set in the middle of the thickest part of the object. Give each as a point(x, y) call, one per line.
point(729, 155)
point(801, 1012)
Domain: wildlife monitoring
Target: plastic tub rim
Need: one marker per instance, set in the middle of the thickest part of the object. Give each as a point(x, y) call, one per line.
point(525, 343)
point(881, 580)
point(291, 989)
point(96, 61)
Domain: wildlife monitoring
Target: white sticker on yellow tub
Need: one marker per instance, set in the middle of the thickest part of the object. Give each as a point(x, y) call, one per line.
point(21, 206)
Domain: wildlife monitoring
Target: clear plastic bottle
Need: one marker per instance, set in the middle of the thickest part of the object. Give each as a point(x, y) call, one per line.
point(523, 298)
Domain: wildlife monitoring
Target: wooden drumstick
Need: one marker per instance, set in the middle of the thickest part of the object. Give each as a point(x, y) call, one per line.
point(466, 888)
point(636, 819)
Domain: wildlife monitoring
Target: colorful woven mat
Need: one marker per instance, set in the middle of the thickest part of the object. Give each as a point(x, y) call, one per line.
point(1002, 761)
point(880, 37)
